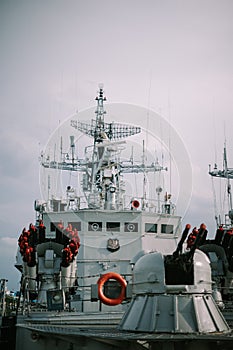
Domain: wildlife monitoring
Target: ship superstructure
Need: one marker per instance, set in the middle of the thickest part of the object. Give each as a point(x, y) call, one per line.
point(220, 249)
point(96, 254)
point(75, 240)
point(102, 168)
point(225, 173)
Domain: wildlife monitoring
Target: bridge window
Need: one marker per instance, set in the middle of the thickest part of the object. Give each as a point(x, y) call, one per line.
point(113, 226)
point(131, 227)
point(94, 226)
point(75, 224)
point(167, 228)
point(152, 228)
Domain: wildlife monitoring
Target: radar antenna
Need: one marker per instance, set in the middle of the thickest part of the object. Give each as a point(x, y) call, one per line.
point(99, 129)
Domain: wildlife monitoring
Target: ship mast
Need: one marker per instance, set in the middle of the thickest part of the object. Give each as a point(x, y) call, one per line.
point(100, 112)
point(226, 173)
point(99, 130)
point(102, 167)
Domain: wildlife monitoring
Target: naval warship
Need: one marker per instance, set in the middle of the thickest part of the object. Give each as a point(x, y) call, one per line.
point(100, 270)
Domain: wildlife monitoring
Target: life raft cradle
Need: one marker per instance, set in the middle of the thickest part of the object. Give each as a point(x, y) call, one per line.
point(29, 239)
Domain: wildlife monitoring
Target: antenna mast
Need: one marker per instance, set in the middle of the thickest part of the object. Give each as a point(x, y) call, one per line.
point(102, 168)
point(226, 173)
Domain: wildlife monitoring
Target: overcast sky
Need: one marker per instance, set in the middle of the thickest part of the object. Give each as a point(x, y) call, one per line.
point(174, 57)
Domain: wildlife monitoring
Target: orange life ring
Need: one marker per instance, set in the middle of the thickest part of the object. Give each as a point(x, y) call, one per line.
point(103, 279)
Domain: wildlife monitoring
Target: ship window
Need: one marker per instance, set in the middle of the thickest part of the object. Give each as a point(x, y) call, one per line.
point(75, 224)
point(59, 236)
point(167, 228)
point(113, 226)
point(54, 226)
point(131, 227)
point(152, 228)
point(94, 226)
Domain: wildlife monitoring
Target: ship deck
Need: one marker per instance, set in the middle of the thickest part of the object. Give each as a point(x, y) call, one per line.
point(113, 334)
